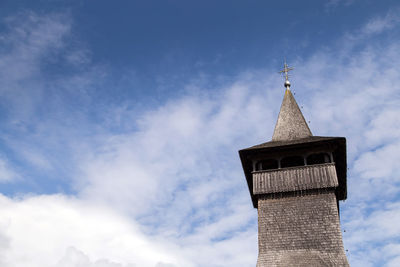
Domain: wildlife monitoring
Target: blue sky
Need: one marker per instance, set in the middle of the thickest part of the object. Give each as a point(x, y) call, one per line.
point(121, 121)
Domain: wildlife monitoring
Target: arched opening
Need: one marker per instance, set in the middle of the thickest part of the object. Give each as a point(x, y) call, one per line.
point(318, 158)
point(267, 164)
point(292, 161)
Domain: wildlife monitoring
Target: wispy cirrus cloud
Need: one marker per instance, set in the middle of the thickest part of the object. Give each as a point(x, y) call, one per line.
point(382, 23)
point(7, 172)
point(40, 118)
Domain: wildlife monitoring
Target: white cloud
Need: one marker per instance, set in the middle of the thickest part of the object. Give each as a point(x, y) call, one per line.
point(56, 230)
point(380, 24)
point(60, 231)
point(25, 47)
point(76, 258)
point(44, 113)
point(179, 144)
point(380, 163)
point(7, 173)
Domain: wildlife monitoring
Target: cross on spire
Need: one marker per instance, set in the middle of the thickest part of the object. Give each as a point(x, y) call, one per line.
point(285, 71)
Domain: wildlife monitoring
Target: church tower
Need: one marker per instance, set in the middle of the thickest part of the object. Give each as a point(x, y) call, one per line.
point(296, 181)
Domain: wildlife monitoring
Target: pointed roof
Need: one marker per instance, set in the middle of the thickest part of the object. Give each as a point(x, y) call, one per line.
point(291, 124)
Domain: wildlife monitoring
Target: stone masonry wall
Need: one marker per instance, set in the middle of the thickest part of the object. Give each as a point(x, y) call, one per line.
point(300, 231)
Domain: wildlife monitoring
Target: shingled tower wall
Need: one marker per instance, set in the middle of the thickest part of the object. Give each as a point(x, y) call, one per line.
point(296, 181)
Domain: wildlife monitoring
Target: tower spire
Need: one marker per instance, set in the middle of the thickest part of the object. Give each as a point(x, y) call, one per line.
point(291, 124)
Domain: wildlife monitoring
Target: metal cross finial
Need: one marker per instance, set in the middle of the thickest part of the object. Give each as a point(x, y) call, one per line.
point(286, 70)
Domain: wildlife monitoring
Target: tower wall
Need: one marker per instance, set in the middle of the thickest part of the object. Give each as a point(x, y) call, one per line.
point(300, 229)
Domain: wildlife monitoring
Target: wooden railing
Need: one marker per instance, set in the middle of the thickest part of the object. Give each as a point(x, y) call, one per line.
point(295, 179)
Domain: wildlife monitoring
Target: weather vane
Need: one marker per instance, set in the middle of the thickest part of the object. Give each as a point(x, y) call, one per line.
point(285, 71)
